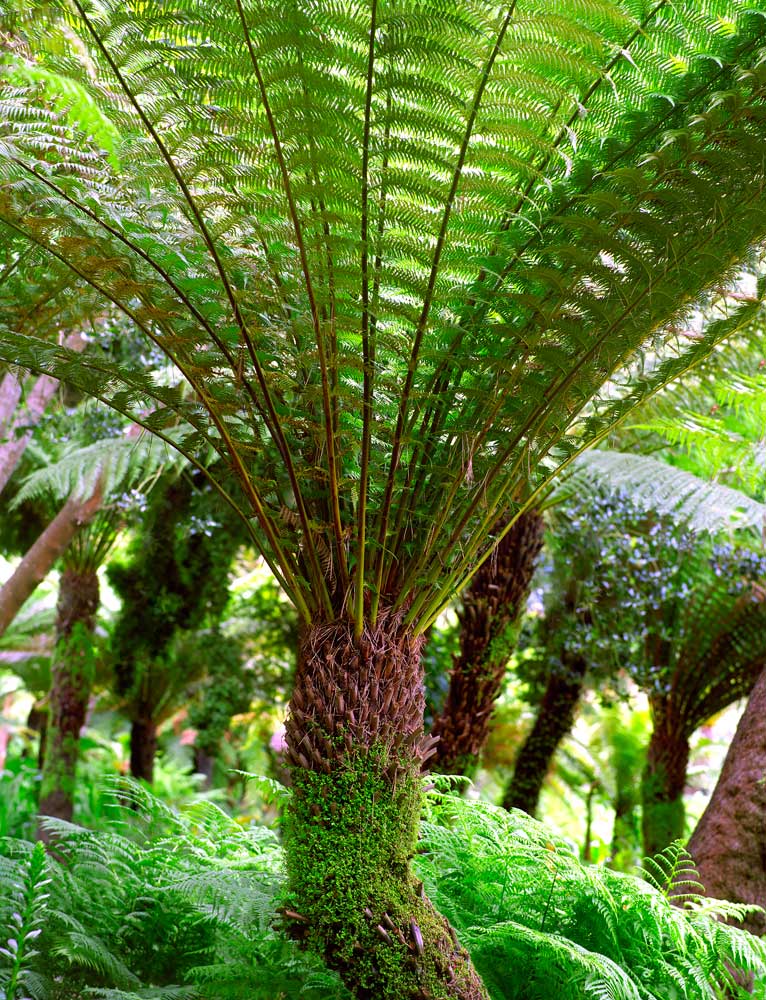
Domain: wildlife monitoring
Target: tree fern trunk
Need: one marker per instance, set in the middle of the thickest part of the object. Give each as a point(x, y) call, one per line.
point(662, 788)
point(40, 558)
point(728, 843)
point(71, 680)
point(626, 841)
point(554, 720)
point(143, 748)
point(356, 750)
point(492, 605)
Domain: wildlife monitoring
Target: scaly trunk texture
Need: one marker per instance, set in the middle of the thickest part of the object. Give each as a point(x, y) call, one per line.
point(554, 720)
point(728, 843)
point(664, 780)
point(71, 681)
point(491, 607)
point(39, 560)
point(356, 749)
point(143, 748)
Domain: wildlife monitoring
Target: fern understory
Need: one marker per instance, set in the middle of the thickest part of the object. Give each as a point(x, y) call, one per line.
point(169, 906)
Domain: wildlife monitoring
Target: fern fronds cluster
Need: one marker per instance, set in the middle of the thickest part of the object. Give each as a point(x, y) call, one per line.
point(163, 906)
point(539, 923)
point(24, 911)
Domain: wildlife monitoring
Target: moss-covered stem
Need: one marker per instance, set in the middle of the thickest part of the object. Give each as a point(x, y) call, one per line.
point(71, 681)
point(356, 749)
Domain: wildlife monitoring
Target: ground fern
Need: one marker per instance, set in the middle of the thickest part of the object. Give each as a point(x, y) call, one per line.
point(186, 906)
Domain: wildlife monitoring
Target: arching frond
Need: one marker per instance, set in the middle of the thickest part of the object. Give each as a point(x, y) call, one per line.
point(408, 259)
point(667, 491)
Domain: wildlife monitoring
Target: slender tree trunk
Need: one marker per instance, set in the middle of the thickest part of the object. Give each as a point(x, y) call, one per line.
point(554, 720)
point(143, 748)
point(491, 608)
point(71, 681)
point(728, 843)
point(39, 560)
point(17, 421)
point(204, 764)
point(662, 788)
point(356, 749)
point(626, 841)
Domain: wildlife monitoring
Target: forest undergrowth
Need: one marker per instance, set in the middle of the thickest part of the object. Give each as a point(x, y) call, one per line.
point(191, 905)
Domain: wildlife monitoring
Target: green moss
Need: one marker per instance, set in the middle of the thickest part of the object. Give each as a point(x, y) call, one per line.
point(350, 836)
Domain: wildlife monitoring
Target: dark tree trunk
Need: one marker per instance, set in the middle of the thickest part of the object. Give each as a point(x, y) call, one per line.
point(204, 764)
point(729, 843)
point(554, 720)
point(356, 750)
point(143, 748)
point(37, 721)
point(491, 607)
point(626, 841)
point(71, 680)
point(662, 788)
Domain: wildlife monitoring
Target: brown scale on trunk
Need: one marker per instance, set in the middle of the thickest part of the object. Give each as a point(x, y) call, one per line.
point(491, 605)
point(70, 689)
point(357, 750)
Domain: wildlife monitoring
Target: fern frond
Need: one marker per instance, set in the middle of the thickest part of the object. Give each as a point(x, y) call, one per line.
point(674, 874)
point(699, 504)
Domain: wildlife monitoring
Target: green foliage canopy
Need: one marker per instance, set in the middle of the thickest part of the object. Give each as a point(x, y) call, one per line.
point(406, 256)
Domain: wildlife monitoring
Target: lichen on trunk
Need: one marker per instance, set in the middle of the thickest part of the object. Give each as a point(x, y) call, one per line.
point(356, 749)
point(71, 681)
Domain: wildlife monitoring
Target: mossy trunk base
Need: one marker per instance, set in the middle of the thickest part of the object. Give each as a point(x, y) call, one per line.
point(356, 748)
point(71, 681)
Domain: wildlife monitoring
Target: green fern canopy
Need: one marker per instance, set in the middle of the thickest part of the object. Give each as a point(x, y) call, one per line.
point(406, 259)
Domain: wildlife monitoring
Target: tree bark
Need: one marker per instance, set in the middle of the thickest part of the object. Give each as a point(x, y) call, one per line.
point(554, 720)
point(17, 422)
point(664, 780)
point(143, 748)
point(356, 749)
point(491, 607)
point(71, 681)
point(39, 560)
point(728, 845)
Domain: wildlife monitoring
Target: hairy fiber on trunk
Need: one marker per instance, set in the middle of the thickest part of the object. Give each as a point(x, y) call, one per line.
point(491, 607)
point(71, 680)
point(554, 720)
point(728, 843)
point(357, 750)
